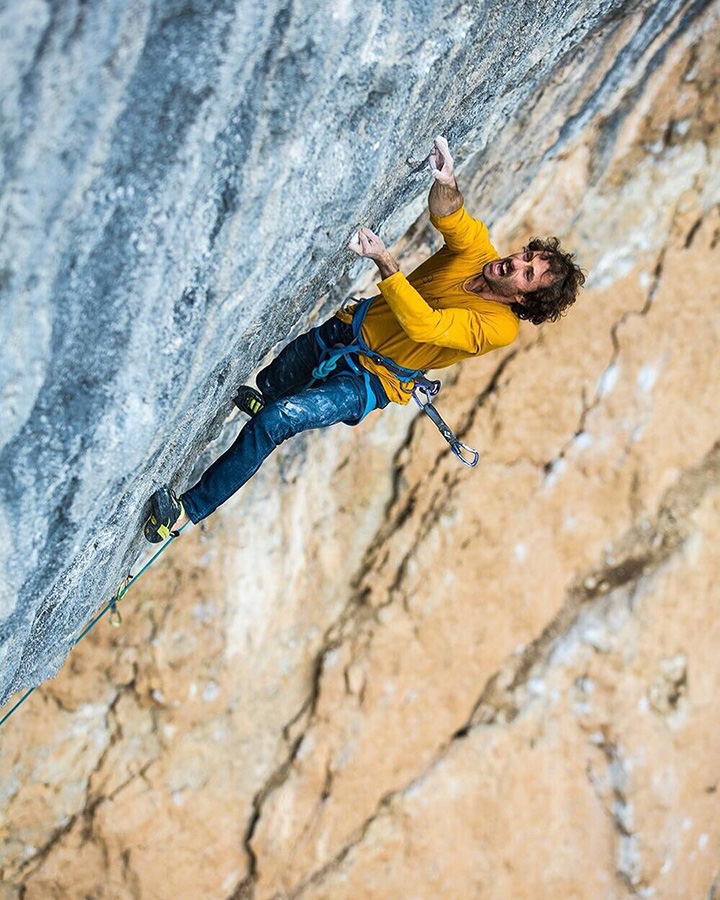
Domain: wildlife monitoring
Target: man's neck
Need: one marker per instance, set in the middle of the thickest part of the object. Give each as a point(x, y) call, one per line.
point(478, 285)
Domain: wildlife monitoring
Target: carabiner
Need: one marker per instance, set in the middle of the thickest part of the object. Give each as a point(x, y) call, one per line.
point(458, 448)
point(114, 618)
point(427, 388)
point(423, 392)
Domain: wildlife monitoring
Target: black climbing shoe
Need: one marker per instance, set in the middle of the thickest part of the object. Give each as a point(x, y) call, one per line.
point(249, 401)
point(165, 510)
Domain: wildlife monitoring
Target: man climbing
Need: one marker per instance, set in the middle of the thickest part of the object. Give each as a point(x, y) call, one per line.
point(463, 301)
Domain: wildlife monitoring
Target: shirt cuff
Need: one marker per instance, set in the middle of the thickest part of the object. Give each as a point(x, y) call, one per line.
point(441, 222)
point(391, 280)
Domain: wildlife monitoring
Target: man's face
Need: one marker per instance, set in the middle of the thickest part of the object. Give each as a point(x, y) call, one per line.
point(518, 274)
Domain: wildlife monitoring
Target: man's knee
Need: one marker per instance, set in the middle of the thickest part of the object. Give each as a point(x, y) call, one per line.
point(280, 419)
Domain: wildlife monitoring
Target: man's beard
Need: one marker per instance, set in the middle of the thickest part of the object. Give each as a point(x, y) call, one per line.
point(498, 282)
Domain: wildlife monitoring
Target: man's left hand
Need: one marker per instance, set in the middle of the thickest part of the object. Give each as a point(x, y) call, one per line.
point(366, 243)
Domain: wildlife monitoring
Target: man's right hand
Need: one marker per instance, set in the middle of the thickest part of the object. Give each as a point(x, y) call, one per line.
point(441, 162)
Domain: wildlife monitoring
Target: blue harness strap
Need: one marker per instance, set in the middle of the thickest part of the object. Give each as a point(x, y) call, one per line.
point(331, 355)
point(403, 374)
point(329, 358)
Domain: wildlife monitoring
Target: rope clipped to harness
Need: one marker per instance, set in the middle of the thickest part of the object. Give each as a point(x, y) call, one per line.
point(423, 392)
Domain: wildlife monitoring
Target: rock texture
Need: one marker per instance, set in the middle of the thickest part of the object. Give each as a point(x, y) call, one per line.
point(377, 674)
point(178, 181)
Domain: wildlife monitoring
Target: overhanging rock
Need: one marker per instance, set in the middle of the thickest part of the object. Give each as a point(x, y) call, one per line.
point(178, 183)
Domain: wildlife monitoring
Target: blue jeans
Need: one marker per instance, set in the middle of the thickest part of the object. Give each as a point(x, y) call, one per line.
point(293, 403)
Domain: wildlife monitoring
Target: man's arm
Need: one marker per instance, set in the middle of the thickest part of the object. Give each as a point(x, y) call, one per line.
point(445, 198)
point(459, 329)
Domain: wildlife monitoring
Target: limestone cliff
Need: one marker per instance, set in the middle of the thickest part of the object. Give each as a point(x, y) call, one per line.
point(178, 181)
point(373, 673)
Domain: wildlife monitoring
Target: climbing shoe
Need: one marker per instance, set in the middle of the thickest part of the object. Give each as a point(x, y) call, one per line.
point(249, 401)
point(165, 510)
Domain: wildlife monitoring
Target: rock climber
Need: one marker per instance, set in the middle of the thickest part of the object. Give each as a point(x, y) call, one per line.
point(463, 301)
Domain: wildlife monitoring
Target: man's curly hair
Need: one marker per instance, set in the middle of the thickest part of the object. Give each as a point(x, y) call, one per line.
point(547, 304)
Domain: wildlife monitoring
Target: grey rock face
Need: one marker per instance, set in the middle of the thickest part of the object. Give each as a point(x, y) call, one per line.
point(179, 179)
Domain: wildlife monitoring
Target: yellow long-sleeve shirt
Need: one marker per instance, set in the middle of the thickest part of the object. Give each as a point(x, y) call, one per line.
point(430, 320)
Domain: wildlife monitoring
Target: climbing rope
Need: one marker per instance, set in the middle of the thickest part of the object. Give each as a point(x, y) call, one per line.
point(111, 606)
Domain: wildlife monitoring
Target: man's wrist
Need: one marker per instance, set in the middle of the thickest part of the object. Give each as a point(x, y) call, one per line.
point(444, 199)
point(387, 265)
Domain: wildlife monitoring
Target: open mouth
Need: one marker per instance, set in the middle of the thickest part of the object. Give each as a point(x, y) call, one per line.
point(501, 268)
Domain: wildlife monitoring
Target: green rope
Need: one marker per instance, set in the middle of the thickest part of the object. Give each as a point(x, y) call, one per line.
point(119, 594)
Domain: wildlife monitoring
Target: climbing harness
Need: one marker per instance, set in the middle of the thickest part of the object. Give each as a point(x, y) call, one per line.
point(331, 356)
point(111, 607)
point(421, 387)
